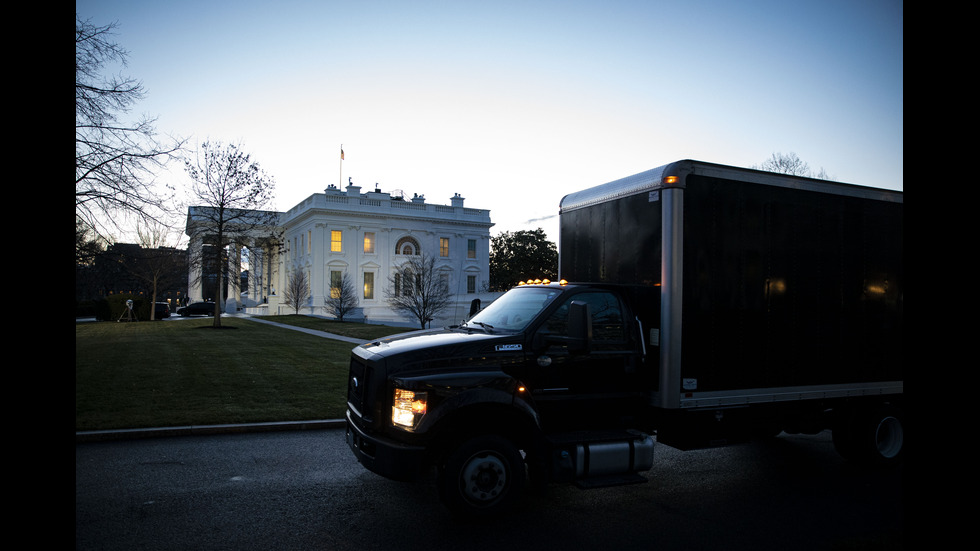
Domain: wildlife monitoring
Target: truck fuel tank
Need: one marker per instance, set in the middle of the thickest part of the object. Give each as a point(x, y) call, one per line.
point(602, 459)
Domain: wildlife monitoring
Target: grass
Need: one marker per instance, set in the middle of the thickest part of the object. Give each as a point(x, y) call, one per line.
point(174, 373)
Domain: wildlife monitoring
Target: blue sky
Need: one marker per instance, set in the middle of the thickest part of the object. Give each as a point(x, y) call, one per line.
point(515, 104)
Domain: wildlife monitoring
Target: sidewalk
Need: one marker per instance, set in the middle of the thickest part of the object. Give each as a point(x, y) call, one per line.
point(104, 435)
point(304, 330)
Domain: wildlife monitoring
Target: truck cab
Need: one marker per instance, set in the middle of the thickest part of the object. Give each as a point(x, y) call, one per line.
point(555, 374)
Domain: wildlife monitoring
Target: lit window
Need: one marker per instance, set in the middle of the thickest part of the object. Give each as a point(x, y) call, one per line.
point(368, 285)
point(368, 242)
point(336, 278)
point(444, 247)
point(336, 239)
point(407, 246)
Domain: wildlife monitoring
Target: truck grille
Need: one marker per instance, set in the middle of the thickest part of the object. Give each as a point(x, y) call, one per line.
point(357, 389)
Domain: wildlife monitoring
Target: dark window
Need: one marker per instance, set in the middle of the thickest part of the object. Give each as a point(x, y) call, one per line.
point(607, 317)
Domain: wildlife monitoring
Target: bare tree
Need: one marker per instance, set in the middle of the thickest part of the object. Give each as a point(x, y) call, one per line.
point(115, 159)
point(88, 248)
point(790, 163)
point(297, 289)
point(343, 297)
point(415, 289)
point(234, 193)
point(88, 244)
point(158, 264)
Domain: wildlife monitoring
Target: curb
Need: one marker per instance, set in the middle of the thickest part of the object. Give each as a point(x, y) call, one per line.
point(195, 430)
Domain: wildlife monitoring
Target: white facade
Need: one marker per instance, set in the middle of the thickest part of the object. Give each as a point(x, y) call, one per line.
point(367, 236)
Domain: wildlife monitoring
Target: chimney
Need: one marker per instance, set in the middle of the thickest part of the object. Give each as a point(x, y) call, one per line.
point(352, 190)
point(457, 200)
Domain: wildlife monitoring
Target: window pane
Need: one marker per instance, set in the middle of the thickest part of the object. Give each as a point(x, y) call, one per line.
point(607, 317)
point(336, 238)
point(407, 246)
point(335, 279)
point(368, 285)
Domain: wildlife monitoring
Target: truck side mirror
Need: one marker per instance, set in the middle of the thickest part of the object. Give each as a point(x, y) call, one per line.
point(579, 327)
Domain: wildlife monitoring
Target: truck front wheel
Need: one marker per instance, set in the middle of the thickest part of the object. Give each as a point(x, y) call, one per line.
point(482, 477)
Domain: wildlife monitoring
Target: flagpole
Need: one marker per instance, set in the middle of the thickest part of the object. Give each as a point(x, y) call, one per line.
point(340, 177)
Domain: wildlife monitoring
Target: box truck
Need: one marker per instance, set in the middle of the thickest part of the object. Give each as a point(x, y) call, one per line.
point(698, 305)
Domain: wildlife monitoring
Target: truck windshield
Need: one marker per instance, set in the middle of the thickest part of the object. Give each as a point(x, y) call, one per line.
point(515, 309)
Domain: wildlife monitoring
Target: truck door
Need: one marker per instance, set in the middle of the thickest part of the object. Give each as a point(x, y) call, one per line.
point(591, 388)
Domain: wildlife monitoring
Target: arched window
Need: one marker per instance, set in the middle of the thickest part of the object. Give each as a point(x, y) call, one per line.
point(408, 246)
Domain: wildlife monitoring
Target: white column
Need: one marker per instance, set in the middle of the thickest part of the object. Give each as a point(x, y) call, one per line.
point(232, 286)
point(194, 292)
point(274, 268)
point(256, 275)
point(319, 276)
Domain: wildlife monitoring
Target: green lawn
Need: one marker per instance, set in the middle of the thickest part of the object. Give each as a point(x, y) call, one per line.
point(184, 372)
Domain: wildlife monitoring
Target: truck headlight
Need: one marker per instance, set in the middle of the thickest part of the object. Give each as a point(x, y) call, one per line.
point(407, 408)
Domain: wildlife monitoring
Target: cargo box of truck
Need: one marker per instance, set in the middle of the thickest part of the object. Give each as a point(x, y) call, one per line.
point(772, 288)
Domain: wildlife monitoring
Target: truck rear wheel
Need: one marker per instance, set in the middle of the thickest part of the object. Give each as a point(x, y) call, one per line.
point(482, 477)
point(874, 437)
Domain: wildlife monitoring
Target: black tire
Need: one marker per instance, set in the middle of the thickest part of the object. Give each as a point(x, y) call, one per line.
point(482, 477)
point(874, 437)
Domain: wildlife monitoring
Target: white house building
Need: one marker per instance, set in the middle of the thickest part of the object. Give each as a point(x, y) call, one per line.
point(365, 236)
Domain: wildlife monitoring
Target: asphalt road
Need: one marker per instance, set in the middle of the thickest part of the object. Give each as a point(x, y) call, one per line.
point(303, 490)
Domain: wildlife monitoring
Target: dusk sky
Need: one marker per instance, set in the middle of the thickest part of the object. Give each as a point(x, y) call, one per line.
point(515, 104)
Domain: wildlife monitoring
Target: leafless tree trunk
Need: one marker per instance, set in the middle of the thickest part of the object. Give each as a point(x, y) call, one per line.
point(415, 289)
point(159, 262)
point(297, 289)
point(343, 298)
point(233, 192)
